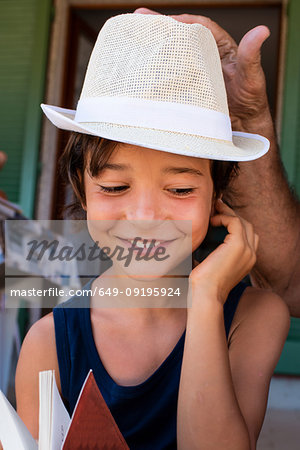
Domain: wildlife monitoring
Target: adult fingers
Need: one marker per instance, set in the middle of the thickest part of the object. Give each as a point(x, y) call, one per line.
point(145, 11)
point(248, 52)
point(226, 44)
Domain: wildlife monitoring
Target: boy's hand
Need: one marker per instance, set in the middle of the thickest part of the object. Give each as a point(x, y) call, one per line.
point(243, 74)
point(230, 262)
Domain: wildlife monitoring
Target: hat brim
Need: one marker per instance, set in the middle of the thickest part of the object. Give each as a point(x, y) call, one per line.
point(244, 146)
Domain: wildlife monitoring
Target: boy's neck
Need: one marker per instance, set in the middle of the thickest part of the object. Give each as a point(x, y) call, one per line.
point(166, 305)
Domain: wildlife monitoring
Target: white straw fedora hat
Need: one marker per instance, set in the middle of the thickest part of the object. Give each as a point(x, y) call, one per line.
point(155, 82)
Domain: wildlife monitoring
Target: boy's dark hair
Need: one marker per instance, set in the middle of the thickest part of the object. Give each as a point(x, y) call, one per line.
point(92, 153)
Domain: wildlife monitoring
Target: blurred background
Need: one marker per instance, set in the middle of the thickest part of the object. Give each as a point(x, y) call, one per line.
point(44, 50)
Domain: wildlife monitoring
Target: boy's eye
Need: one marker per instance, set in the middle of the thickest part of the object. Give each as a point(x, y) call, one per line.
point(113, 189)
point(176, 191)
point(181, 191)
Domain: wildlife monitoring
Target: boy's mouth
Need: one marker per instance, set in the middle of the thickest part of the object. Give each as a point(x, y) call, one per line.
point(145, 243)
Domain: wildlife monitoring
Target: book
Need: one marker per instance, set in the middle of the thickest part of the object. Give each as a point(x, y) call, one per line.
point(91, 425)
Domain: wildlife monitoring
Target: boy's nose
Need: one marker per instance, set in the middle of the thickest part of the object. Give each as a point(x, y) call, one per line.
point(145, 207)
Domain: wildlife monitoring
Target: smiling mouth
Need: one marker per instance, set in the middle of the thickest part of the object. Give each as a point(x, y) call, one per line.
point(146, 243)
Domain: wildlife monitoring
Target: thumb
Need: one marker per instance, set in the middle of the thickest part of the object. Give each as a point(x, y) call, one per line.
point(248, 53)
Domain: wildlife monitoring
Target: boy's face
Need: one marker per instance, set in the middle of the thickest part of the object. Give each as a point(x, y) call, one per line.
point(156, 193)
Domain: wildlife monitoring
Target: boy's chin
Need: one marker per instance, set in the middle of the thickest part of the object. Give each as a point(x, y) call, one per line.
point(143, 274)
point(152, 270)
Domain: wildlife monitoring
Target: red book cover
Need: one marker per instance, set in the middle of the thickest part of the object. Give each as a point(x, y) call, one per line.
point(92, 425)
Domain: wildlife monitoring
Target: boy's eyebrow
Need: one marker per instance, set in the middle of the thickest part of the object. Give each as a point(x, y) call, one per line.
point(116, 166)
point(175, 170)
point(170, 170)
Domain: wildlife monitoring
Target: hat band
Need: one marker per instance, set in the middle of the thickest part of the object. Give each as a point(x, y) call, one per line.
point(166, 116)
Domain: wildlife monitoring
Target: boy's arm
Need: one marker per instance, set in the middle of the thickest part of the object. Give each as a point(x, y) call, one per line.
point(217, 387)
point(223, 395)
point(38, 353)
point(262, 186)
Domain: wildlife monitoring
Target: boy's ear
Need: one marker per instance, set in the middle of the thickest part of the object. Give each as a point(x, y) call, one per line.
point(213, 204)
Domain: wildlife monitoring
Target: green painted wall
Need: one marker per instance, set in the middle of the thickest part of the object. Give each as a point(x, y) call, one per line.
point(290, 151)
point(24, 28)
point(290, 142)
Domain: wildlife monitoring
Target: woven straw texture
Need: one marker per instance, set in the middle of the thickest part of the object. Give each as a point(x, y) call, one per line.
point(181, 143)
point(156, 58)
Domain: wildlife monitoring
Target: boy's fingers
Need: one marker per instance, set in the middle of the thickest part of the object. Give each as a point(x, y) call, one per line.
point(244, 228)
point(232, 223)
point(224, 211)
point(250, 235)
point(222, 207)
point(248, 227)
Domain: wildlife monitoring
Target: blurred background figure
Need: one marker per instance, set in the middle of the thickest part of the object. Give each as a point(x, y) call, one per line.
point(3, 158)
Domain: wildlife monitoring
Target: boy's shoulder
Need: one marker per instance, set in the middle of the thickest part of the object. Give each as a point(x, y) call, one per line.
point(260, 307)
point(40, 341)
point(42, 329)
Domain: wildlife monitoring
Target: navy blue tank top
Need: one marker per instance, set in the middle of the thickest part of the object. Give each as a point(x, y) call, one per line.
point(146, 414)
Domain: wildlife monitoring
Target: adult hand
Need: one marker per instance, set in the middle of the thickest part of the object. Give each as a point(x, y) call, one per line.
point(243, 74)
point(261, 186)
point(230, 262)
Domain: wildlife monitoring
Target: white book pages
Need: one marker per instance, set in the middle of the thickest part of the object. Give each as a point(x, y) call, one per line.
point(13, 433)
point(60, 419)
point(45, 409)
point(53, 417)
